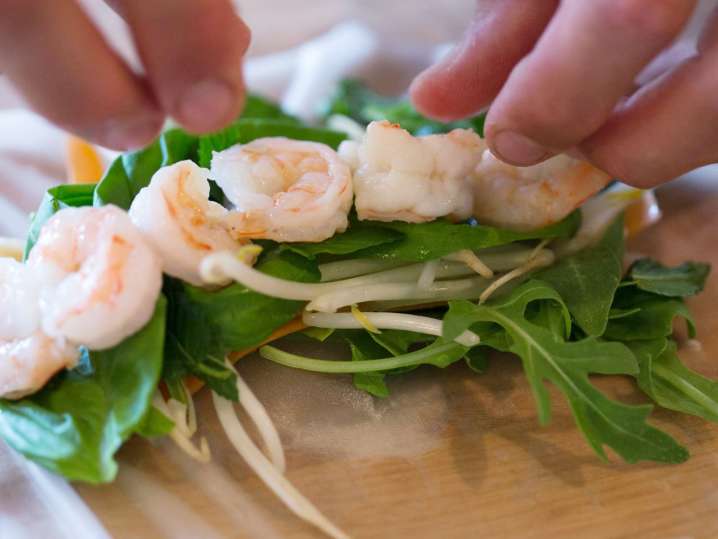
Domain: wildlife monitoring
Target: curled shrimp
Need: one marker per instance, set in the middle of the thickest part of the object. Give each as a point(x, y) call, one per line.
point(28, 357)
point(175, 214)
point(27, 364)
point(99, 279)
point(284, 190)
point(532, 197)
point(415, 179)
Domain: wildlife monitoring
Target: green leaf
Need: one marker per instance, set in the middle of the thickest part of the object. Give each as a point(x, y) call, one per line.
point(204, 325)
point(587, 281)
point(155, 424)
point(428, 241)
point(363, 348)
point(681, 281)
point(652, 316)
point(355, 239)
point(55, 199)
point(244, 131)
point(670, 383)
point(257, 106)
point(132, 171)
point(477, 359)
point(75, 425)
point(568, 365)
point(355, 100)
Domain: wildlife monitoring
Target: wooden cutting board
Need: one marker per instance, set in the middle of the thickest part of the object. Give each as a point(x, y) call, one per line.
point(449, 454)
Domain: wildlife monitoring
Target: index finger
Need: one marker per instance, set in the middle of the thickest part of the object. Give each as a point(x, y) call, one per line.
point(192, 52)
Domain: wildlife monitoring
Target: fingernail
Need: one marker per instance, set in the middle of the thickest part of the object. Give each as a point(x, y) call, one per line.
point(516, 149)
point(132, 133)
point(206, 104)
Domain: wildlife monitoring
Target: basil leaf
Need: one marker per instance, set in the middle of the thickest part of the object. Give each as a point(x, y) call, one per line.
point(55, 199)
point(76, 424)
point(587, 281)
point(568, 366)
point(681, 281)
point(155, 424)
point(256, 106)
point(132, 171)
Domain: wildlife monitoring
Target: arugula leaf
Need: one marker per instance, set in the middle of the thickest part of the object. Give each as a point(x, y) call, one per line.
point(55, 199)
point(355, 100)
point(652, 316)
point(246, 130)
point(78, 421)
point(428, 241)
point(364, 348)
point(587, 281)
point(681, 281)
point(665, 379)
point(132, 171)
point(477, 359)
point(204, 325)
point(568, 365)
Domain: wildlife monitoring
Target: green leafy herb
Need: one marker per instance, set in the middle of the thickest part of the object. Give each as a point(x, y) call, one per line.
point(428, 241)
point(477, 359)
point(646, 316)
point(355, 100)
point(204, 325)
point(132, 171)
point(155, 424)
point(568, 365)
point(244, 131)
point(587, 280)
point(356, 238)
point(55, 199)
point(78, 421)
point(670, 383)
point(257, 106)
point(681, 281)
point(364, 348)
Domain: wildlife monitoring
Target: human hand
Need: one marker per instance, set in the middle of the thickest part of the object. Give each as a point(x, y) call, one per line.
point(191, 51)
point(562, 77)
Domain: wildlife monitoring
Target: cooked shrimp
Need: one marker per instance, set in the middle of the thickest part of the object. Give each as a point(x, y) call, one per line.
point(28, 358)
point(284, 190)
point(532, 197)
point(99, 279)
point(19, 300)
point(413, 179)
point(27, 364)
point(175, 214)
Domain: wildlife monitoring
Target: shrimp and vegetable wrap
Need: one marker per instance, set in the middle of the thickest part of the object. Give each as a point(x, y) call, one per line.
point(403, 238)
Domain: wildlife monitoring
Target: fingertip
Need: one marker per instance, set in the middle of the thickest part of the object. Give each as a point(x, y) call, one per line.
point(209, 105)
point(128, 133)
